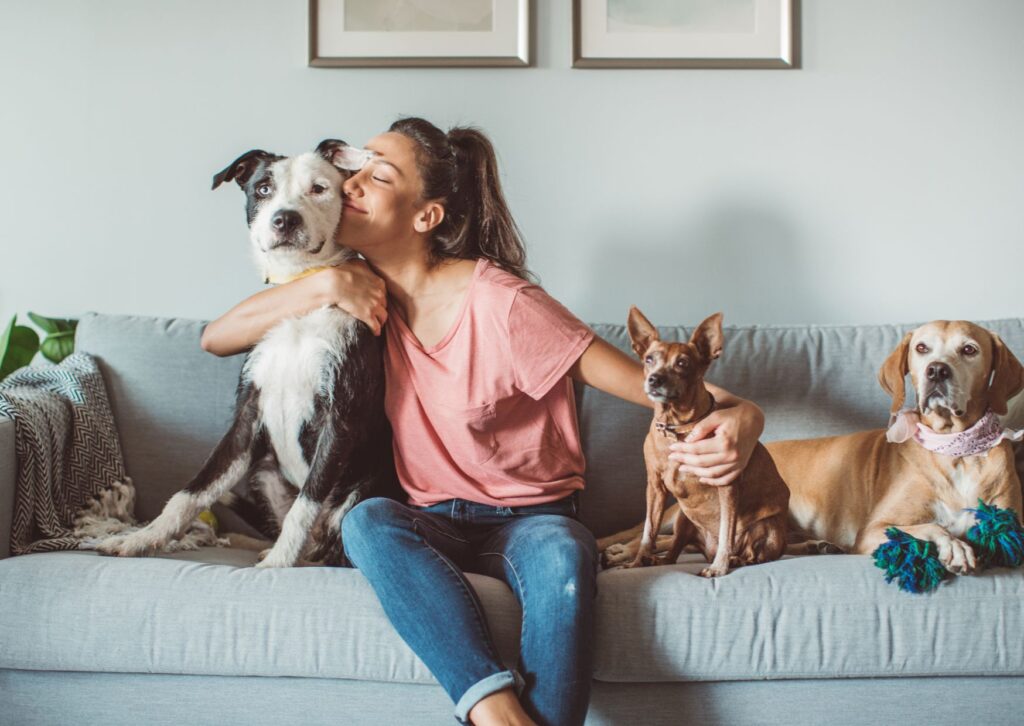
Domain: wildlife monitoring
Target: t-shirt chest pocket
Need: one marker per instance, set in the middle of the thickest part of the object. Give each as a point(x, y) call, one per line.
point(467, 432)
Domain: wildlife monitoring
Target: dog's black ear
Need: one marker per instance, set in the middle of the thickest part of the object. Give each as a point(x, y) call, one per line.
point(242, 168)
point(1007, 376)
point(893, 372)
point(641, 331)
point(708, 337)
point(343, 156)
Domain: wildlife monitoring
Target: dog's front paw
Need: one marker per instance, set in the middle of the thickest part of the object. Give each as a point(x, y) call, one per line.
point(135, 544)
point(957, 556)
point(617, 555)
point(715, 571)
point(269, 559)
point(645, 560)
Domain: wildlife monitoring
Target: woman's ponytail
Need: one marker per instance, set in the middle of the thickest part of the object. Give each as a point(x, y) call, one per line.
point(460, 168)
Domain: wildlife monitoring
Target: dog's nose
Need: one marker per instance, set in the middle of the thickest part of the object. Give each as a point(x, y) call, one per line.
point(938, 372)
point(285, 220)
point(655, 380)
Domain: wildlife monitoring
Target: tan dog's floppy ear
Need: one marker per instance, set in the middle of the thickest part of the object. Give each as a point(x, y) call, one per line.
point(894, 370)
point(708, 337)
point(641, 331)
point(1007, 375)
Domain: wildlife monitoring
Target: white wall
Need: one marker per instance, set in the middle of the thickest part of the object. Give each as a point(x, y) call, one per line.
point(884, 181)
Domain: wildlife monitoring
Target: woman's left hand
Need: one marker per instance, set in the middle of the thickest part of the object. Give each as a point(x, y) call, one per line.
point(718, 448)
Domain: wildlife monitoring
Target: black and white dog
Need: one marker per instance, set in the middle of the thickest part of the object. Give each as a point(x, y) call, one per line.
point(309, 437)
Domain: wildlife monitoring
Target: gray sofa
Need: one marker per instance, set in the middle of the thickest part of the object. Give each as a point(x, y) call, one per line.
point(201, 637)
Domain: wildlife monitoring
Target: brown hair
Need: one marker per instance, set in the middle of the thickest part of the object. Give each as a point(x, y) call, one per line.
point(460, 169)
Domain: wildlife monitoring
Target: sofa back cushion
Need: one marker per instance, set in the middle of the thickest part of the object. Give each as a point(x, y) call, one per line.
point(172, 401)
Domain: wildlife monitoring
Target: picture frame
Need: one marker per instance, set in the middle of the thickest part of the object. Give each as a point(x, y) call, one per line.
point(419, 33)
point(686, 34)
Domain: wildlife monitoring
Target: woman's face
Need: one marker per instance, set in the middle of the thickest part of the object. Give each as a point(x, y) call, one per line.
point(384, 200)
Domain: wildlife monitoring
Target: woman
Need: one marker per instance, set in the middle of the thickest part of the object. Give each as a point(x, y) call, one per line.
point(485, 438)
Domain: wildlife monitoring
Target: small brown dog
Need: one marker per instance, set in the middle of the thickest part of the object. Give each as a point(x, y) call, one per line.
point(739, 524)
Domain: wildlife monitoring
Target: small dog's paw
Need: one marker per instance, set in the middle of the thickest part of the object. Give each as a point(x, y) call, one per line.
point(617, 555)
point(714, 571)
point(957, 556)
point(645, 561)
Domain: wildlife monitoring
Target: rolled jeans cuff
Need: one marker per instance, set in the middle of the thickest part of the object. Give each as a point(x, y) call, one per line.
point(483, 688)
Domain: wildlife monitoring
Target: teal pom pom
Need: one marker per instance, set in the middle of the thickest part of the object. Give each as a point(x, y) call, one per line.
point(997, 538)
point(912, 562)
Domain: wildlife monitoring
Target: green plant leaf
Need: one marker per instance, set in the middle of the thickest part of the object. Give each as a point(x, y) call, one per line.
point(18, 345)
point(58, 346)
point(47, 325)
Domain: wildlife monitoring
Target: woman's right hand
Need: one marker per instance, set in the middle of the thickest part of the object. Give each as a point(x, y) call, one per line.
point(354, 288)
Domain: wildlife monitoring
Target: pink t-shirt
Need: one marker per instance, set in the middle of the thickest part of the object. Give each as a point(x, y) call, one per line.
point(488, 414)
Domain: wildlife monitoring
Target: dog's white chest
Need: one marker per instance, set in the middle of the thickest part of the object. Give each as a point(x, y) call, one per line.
point(955, 519)
point(291, 365)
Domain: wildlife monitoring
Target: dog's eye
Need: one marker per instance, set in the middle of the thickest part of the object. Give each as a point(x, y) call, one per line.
point(649, 360)
point(263, 190)
point(969, 350)
point(318, 189)
point(921, 348)
point(682, 363)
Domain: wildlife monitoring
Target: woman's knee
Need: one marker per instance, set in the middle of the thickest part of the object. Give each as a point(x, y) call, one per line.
point(367, 519)
point(566, 557)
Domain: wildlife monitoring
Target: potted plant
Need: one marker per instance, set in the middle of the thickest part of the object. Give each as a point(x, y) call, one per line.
point(20, 343)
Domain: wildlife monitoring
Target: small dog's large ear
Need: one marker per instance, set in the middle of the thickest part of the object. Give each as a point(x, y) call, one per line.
point(242, 168)
point(1007, 376)
point(894, 370)
point(708, 337)
point(343, 156)
point(641, 331)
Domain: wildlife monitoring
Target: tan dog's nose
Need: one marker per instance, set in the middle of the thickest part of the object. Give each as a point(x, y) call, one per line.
point(938, 372)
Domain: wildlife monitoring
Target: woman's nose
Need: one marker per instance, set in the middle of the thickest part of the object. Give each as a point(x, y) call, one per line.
point(349, 186)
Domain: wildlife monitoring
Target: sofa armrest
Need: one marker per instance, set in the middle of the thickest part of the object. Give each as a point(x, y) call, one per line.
point(8, 474)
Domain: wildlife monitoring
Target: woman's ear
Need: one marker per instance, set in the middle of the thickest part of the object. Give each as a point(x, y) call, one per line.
point(428, 217)
point(893, 372)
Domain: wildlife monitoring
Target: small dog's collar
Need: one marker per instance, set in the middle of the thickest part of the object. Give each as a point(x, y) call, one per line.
point(674, 430)
point(272, 280)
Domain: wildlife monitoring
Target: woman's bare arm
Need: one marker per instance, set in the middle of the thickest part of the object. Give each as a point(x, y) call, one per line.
point(718, 448)
point(351, 286)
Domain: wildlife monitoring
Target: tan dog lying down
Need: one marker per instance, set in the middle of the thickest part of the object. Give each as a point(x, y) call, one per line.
point(846, 490)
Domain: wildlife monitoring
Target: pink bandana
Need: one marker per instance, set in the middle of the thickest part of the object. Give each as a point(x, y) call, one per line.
point(978, 439)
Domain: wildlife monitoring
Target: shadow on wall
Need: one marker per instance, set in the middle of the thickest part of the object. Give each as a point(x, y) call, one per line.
point(743, 259)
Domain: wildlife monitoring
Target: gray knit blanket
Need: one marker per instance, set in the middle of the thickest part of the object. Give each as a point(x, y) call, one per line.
point(72, 489)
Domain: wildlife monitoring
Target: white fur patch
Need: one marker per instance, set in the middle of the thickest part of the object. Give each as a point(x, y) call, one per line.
point(957, 521)
point(294, 532)
point(293, 363)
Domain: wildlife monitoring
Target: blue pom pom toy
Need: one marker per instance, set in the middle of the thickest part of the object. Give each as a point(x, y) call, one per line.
point(912, 562)
point(997, 537)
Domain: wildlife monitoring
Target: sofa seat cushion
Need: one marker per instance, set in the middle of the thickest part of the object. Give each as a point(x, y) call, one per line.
point(803, 617)
point(210, 612)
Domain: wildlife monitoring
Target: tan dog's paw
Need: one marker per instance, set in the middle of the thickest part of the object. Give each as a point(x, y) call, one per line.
point(617, 555)
point(644, 560)
point(957, 556)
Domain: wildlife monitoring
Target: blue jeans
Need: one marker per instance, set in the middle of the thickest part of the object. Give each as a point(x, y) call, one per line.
point(414, 558)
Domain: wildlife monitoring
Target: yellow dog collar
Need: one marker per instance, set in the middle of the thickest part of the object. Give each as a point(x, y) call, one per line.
point(288, 278)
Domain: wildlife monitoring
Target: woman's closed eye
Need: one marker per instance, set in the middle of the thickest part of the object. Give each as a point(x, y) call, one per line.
point(380, 179)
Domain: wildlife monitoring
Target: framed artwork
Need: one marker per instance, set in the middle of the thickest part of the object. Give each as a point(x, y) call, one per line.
point(419, 33)
point(685, 33)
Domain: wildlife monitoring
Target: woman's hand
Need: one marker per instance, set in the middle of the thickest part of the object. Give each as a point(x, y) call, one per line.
point(354, 288)
point(718, 447)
